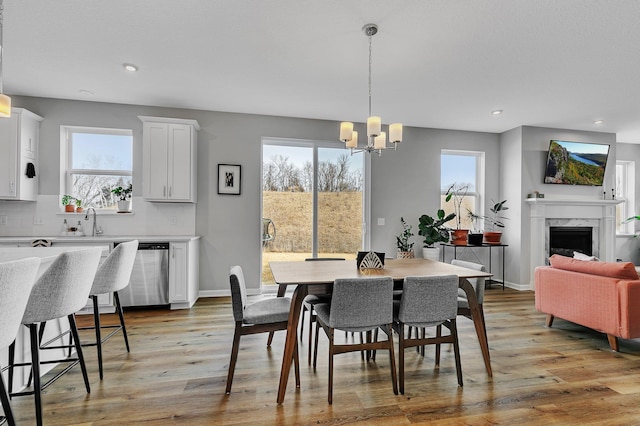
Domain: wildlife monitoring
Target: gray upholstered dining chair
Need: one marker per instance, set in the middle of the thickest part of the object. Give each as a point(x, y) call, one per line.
point(357, 305)
point(310, 301)
point(259, 317)
point(113, 275)
point(463, 303)
point(60, 292)
point(16, 281)
point(427, 302)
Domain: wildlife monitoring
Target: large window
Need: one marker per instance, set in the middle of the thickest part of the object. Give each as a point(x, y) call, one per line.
point(312, 202)
point(625, 191)
point(97, 160)
point(463, 169)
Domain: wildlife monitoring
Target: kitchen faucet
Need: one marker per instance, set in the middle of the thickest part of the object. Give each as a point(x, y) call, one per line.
point(95, 230)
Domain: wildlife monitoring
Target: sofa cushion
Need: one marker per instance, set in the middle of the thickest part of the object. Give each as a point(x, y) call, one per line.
point(621, 270)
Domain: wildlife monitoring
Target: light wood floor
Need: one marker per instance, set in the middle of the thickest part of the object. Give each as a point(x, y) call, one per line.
point(176, 372)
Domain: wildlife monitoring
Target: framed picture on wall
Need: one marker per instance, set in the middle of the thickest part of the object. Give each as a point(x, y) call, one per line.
point(229, 179)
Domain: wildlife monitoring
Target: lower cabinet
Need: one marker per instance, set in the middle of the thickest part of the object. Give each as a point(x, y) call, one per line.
point(183, 274)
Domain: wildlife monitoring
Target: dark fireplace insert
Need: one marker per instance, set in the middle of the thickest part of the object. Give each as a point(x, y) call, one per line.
point(564, 240)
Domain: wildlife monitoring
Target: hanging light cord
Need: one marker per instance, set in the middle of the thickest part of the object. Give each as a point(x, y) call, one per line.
point(370, 62)
point(1, 43)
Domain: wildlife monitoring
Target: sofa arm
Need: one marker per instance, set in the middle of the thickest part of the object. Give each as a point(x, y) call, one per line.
point(629, 301)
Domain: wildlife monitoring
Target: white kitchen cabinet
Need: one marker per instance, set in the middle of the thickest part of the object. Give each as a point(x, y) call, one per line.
point(169, 151)
point(183, 274)
point(19, 137)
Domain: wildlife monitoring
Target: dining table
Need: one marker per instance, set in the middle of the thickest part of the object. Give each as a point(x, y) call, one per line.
point(318, 277)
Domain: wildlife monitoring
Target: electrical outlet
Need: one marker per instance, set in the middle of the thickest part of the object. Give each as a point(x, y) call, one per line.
point(173, 220)
point(4, 220)
point(37, 220)
point(381, 221)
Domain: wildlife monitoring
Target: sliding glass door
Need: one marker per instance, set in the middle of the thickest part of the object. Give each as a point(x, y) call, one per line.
point(312, 202)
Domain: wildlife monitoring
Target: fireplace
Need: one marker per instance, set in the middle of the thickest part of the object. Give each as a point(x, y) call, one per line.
point(564, 240)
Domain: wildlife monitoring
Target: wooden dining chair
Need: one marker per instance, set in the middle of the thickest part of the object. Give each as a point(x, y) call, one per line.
point(259, 317)
point(16, 281)
point(427, 302)
point(464, 310)
point(357, 305)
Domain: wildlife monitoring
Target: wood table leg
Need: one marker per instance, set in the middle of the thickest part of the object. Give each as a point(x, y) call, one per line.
point(281, 290)
point(477, 322)
point(299, 294)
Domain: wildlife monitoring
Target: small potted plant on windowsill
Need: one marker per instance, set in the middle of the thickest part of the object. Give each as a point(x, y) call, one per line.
point(124, 198)
point(494, 220)
point(68, 203)
point(457, 192)
point(434, 231)
point(405, 248)
point(79, 208)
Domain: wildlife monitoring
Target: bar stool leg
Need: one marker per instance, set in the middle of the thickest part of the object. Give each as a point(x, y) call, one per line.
point(96, 324)
point(8, 414)
point(76, 340)
point(35, 370)
point(121, 315)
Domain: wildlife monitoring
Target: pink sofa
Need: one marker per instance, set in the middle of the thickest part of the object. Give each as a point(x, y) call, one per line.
point(604, 296)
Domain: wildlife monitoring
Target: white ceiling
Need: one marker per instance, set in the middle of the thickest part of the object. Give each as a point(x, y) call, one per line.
point(440, 63)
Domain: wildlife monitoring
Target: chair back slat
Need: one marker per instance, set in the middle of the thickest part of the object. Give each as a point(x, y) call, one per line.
point(238, 292)
point(361, 303)
point(428, 301)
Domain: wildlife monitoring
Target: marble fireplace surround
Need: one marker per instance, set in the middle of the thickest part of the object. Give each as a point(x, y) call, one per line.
point(597, 214)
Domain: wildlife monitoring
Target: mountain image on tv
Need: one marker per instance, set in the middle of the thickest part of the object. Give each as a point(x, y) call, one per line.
point(575, 163)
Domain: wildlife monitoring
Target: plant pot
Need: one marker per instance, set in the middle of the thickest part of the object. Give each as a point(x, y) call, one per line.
point(492, 237)
point(124, 206)
point(405, 255)
point(79, 209)
point(432, 253)
point(459, 237)
point(69, 208)
point(475, 239)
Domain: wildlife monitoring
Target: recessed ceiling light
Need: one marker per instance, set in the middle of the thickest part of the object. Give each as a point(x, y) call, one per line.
point(598, 122)
point(496, 112)
point(130, 67)
point(85, 92)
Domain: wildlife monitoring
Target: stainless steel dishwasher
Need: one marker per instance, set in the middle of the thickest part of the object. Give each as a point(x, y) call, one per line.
point(149, 283)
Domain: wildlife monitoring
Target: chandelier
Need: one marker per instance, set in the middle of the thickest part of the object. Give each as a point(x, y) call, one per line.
point(5, 101)
point(376, 138)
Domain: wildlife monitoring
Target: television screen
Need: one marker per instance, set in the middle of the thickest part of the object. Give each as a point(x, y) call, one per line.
point(576, 163)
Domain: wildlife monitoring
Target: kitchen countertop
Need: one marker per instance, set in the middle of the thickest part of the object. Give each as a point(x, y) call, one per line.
point(102, 239)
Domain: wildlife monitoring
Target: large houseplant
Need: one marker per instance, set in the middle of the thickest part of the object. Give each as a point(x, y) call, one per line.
point(493, 221)
point(434, 231)
point(457, 192)
point(405, 248)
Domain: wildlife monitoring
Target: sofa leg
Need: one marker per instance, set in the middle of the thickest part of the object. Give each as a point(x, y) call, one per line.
point(613, 342)
point(549, 321)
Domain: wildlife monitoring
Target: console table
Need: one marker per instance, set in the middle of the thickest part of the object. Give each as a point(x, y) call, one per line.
point(470, 246)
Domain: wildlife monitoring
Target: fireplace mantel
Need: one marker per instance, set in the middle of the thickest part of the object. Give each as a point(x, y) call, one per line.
point(602, 212)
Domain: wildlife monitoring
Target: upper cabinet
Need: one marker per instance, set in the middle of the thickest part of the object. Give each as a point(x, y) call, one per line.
point(169, 152)
point(19, 137)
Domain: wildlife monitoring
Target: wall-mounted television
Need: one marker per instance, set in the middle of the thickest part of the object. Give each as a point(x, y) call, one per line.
point(576, 163)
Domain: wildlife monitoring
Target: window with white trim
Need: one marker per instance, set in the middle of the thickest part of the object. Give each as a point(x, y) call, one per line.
point(463, 168)
point(625, 191)
point(96, 160)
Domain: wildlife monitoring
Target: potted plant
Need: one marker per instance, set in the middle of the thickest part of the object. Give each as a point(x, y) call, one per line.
point(457, 192)
point(434, 231)
point(476, 235)
point(405, 248)
point(79, 208)
point(124, 197)
point(67, 202)
point(493, 221)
